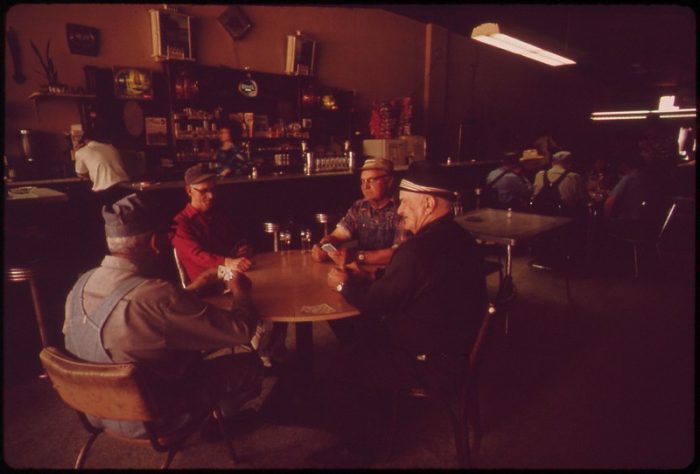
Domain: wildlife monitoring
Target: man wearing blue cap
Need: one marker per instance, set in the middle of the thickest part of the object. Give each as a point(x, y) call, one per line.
point(117, 313)
point(420, 318)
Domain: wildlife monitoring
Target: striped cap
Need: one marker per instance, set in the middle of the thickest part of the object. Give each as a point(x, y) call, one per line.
point(427, 178)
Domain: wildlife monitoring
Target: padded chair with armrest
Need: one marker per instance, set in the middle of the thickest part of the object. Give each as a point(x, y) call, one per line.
point(121, 392)
point(467, 402)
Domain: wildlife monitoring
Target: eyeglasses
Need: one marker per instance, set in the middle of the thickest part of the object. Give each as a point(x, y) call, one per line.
point(373, 179)
point(209, 190)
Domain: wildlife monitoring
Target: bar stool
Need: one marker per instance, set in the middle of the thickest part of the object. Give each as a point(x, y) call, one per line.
point(29, 274)
point(274, 229)
point(477, 195)
point(324, 219)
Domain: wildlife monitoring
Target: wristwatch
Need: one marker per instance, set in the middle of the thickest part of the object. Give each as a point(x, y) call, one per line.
point(339, 287)
point(361, 256)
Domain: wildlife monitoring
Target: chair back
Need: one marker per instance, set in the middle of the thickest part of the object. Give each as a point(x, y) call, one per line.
point(108, 391)
point(180, 271)
point(667, 219)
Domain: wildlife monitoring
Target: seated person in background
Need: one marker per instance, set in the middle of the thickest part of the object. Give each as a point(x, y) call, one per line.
point(229, 160)
point(565, 194)
point(623, 207)
point(571, 188)
point(135, 317)
point(601, 178)
point(508, 187)
point(203, 237)
point(532, 162)
point(372, 221)
point(420, 318)
point(101, 163)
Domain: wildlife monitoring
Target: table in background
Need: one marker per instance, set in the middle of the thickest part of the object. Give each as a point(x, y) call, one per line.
point(34, 195)
point(287, 286)
point(509, 229)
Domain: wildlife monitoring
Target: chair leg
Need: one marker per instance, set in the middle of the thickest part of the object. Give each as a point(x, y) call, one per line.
point(461, 434)
point(393, 423)
point(169, 458)
point(227, 440)
point(636, 261)
point(82, 456)
point(474, 416)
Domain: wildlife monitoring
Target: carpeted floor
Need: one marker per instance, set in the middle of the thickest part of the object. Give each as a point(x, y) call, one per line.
point(605, 382)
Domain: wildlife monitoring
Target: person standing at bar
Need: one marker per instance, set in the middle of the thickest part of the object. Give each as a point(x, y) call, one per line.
point(101, 163)
point(421, 316)
point(229, 160)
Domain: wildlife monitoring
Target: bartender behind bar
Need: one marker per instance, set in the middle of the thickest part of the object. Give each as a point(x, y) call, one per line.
point(100, 162)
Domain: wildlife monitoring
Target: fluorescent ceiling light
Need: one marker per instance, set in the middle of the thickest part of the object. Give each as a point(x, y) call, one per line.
point(490, 33)
point(676, 115)
point(621, 117)
point(658, 111)
point(622, 112)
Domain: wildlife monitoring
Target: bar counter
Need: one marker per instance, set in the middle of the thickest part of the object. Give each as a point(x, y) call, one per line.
point(72, 230)
point(151, 184)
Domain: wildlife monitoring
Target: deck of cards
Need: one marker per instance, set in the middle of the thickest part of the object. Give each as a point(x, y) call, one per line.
point(225, 273)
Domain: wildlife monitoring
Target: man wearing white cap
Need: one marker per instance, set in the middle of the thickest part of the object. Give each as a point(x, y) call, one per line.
point(420, 318)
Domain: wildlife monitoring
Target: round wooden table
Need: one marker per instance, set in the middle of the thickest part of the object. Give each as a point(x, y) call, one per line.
point(290, 286)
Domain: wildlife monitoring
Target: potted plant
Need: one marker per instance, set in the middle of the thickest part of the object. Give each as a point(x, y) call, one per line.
point(53, 85)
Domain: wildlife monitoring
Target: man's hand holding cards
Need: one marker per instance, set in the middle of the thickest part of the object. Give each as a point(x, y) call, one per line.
point(225, 273)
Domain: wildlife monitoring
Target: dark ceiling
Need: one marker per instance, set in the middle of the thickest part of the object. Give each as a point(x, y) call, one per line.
point(636, 49)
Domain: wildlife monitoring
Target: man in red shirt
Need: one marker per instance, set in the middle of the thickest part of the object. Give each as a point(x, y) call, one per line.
point(205, 238)
point(202, 237)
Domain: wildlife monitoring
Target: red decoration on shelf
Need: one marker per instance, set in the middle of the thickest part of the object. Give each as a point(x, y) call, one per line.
point(391, 119)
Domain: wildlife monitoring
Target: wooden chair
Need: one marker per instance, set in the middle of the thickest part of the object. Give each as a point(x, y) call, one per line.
point(467, 402)
point(121, 392)
point(180, 270)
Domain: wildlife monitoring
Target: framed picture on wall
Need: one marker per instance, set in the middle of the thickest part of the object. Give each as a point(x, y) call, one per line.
point(171, 33)
point(83, 39)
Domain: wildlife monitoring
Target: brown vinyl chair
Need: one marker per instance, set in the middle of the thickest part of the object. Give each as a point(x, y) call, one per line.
point(120, 392)
point(467, 402)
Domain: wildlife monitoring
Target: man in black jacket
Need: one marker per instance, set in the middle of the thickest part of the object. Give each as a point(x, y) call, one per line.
point(420, 318)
